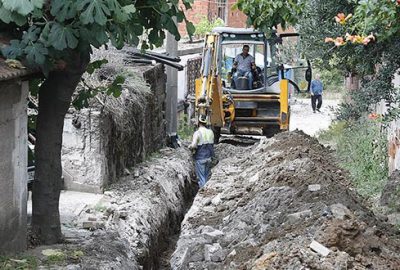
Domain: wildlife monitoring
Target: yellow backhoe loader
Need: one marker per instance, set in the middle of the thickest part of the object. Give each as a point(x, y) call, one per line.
point(232, 104)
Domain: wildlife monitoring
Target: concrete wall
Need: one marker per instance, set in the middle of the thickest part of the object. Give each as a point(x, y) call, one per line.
point(393, 132)
point(98, 151)
point(13, 166)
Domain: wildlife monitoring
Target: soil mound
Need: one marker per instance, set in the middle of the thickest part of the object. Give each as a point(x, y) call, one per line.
point(282, 204)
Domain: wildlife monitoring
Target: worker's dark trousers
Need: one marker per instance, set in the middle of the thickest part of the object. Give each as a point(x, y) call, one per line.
point(316, 102)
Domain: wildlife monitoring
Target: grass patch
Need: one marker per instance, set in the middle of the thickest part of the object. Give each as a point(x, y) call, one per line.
point(362, 150)
point(18, 263)
point(185, 130)
point(99, 207)
point(331, 135)
point(52, 257)
point(62, 257)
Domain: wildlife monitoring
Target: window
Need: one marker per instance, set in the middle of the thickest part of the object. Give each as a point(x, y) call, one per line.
point(230, 51)
point(221, 7)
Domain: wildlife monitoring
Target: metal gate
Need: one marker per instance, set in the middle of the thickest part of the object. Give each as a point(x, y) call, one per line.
point(193, 67)
point(193, 71)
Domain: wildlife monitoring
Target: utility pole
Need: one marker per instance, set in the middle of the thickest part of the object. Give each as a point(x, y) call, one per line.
point(172, 92)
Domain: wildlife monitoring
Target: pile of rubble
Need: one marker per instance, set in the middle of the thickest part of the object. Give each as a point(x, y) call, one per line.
point(130, 227)
point(282, 204)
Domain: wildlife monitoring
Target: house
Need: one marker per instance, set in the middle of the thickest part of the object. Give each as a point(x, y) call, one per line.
point(13, 158)
point(213, 9)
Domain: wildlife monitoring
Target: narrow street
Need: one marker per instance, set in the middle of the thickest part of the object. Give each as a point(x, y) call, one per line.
point(189, 135)
point(303, 118)
point(278, 203)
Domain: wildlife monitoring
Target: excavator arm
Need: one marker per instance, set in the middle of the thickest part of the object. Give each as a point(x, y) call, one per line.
point(210, 100)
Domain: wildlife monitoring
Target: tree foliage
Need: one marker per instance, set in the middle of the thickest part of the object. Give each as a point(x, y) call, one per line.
point(378, 17)
point(316, 23)
point(58, 36)
point(48, 30)
point(205, 26)
point(266, 14)
point(373, 32)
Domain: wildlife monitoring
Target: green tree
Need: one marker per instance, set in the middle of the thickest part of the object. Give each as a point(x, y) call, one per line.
point(316, 23)
point(205, 26)
point(266, 14)
point(373, 33)
point(58, 36)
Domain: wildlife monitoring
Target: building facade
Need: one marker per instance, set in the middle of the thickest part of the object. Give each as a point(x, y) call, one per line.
point(213, 9)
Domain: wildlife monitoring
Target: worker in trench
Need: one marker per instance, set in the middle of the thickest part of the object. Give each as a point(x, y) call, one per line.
point(203, 151)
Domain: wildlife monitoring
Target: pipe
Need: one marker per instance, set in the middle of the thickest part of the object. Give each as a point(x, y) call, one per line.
point(151, 55)
point(158, 60)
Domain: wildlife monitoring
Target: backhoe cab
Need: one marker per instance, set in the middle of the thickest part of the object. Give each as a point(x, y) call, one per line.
point(247, 79)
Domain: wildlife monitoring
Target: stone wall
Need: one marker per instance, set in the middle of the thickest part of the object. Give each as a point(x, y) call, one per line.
point(102, 142)
point(13, 166)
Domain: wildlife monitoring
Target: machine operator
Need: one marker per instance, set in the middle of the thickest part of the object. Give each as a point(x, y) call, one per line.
point(243, 66)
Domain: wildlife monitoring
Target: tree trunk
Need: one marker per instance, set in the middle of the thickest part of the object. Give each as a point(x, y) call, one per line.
point(352, 82)
point(54, 101)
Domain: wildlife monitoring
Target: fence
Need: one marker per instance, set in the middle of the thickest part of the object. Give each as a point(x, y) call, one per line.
point(193, 71)
point(393, 135)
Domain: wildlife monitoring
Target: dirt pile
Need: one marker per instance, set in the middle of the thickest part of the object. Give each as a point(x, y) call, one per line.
point(391, 192)
point(282, 204)
point(132, 225)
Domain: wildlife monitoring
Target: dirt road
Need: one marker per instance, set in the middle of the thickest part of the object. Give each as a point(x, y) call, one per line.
point(303, 118)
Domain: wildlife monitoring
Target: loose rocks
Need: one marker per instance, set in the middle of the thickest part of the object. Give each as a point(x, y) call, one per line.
point(282, 204)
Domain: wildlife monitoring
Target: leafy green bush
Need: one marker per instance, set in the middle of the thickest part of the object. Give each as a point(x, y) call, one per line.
point(362, 150)
point(333, 80)
point(185, 130)
point(335, 130)
point(18, 263)
point(205, 26)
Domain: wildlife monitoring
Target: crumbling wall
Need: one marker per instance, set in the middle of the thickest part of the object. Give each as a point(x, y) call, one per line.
point(83, 156)
point(100, 143)
point(127, 147)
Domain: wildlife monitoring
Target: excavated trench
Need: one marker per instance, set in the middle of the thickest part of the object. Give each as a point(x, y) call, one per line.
point(169, 241)
point(142, 213)
point(279, 203)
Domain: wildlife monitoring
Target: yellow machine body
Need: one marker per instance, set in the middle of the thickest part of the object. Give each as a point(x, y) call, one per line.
point(237, 113)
